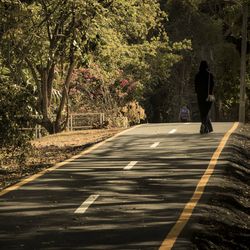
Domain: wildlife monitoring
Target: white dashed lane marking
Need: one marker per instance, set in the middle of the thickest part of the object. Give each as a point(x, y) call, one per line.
point(155, 145)
point(172, 131)
point(85, 205)
point(130, 165)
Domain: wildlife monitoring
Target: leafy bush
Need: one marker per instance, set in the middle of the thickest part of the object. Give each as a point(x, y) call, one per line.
point(14, 115)
point(134, 112)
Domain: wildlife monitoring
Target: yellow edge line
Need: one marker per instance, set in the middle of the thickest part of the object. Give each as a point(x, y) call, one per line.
point(172, 236)
point(35, 176)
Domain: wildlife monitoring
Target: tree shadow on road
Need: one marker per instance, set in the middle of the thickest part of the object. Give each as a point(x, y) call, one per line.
point(135, 209)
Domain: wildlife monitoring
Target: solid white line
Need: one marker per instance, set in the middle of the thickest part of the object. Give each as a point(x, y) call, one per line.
point(172, 131)
point(155, 145)
point(85, 205)
point(130, 165)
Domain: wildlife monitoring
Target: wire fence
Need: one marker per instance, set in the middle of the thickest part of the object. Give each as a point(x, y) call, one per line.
point(85, 120)
point(81, 121)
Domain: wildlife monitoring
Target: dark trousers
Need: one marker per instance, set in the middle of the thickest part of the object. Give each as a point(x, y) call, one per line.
point(204, 108)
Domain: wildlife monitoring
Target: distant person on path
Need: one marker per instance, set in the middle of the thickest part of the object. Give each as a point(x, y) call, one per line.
point(184, 115)
point(204, 85)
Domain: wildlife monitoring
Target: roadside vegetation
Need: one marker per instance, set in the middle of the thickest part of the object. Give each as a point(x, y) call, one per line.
point(128, 59)
point(134, 59)
point(49, 150)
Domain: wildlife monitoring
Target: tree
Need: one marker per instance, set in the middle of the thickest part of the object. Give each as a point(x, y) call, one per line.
point(233, 14)
point(242, 101)
point(214, 27)
point(44, 41)
point(133, 40)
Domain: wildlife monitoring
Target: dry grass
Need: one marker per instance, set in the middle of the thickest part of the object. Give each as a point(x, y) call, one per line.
point(74, 138)
point(51, 149)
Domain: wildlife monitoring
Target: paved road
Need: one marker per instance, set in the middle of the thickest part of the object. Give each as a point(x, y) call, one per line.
point(126, 194)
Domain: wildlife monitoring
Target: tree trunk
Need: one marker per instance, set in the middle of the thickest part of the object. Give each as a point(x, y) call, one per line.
point(242, 106)
point(44, 91)
point(45, 101)
point(48, 125)
point(51, 74)
point(58, 125)
point(64, 98)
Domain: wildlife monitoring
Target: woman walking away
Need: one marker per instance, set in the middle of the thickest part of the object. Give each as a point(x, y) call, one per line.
point(204, 85)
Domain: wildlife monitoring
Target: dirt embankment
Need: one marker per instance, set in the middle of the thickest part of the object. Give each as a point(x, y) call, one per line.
point(225, 220)
point(51, 149)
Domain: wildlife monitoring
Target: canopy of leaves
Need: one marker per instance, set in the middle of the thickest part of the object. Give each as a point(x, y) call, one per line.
point(214, 27)
point(44, 41)
point(154, 46)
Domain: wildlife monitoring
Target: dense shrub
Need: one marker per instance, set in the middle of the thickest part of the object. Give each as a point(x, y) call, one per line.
point(14, 115)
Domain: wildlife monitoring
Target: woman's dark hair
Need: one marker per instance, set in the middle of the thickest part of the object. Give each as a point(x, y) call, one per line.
point(203, 65)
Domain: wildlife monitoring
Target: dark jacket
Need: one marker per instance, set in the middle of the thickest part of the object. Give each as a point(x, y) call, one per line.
point(202, 79)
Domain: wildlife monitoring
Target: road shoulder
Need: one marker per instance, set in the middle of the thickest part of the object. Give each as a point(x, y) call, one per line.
point(224, 219)
point(49, 150)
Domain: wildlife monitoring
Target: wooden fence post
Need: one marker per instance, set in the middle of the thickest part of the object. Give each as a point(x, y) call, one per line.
point(71, 122)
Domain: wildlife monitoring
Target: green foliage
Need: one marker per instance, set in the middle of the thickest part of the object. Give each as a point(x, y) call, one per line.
point(91, 92)
point(227, 53)
point(15, 108)
point(154, 45)
point(39, 38)
point(45, 41)
point(214, 28)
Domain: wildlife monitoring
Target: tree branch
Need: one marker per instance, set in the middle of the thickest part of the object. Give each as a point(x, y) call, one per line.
point(44, 89)
point(69, 73)
point(51, 75)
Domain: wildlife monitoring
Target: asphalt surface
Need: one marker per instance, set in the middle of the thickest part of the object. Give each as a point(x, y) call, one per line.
point(126, 194)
